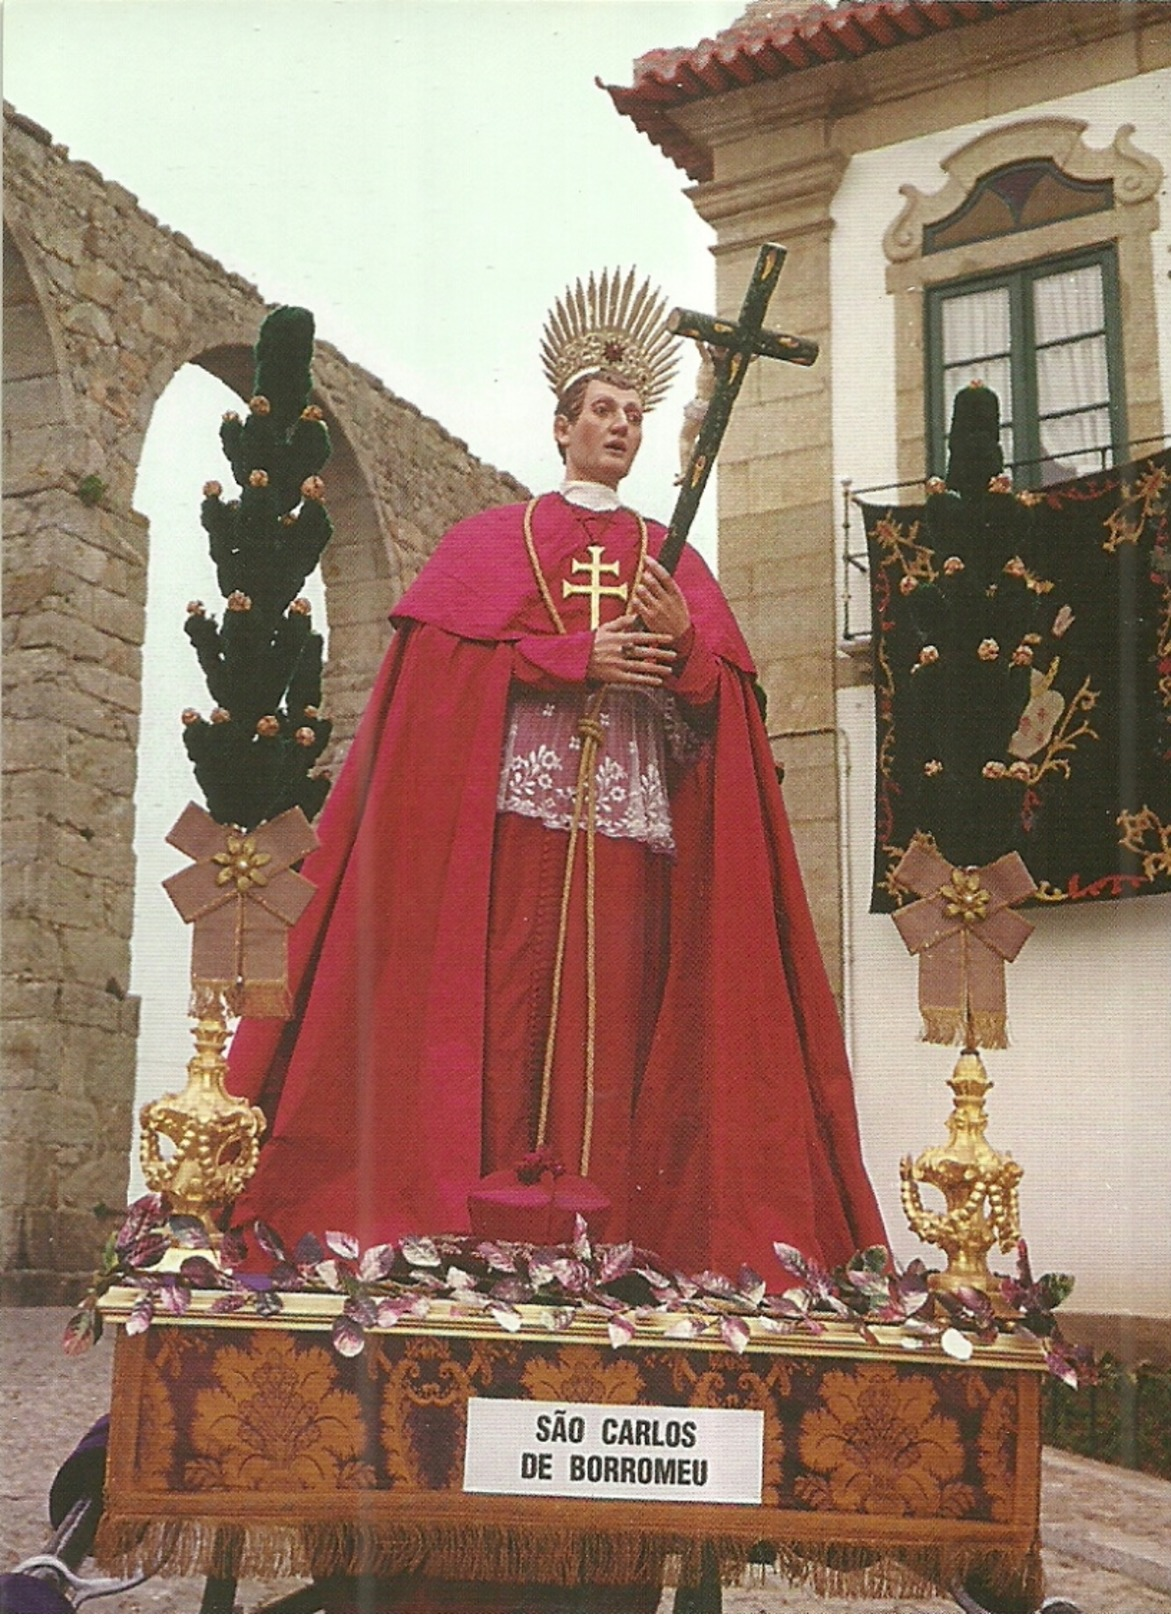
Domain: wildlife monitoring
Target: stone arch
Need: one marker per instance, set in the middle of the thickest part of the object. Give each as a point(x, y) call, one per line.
point(1135, 178)
point(103, 305)
point(37, 405)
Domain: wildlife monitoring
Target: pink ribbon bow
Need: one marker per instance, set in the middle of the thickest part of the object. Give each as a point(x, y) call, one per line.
point(963, 931)
point(241, 896)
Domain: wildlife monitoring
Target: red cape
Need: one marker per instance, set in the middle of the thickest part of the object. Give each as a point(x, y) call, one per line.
point(745, 1130)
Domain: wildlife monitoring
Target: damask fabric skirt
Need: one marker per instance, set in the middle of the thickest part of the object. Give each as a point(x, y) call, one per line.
point(630, 930)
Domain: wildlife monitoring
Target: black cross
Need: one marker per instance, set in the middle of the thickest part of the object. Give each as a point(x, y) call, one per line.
point(738, 342)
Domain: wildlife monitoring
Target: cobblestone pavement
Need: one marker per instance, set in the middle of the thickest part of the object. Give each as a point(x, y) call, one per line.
point(1106, 1531)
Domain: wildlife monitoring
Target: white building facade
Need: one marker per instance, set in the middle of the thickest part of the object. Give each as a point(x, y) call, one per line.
point(907, 154)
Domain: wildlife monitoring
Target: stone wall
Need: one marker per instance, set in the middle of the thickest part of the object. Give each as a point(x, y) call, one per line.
point(102, 306)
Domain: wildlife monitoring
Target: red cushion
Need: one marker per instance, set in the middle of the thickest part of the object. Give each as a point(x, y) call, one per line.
point(503, 1209)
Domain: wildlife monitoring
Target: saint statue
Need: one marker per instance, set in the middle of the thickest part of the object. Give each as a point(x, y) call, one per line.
point(558, 904)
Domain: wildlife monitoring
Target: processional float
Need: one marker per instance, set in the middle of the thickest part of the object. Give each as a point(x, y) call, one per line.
point(424, 1382)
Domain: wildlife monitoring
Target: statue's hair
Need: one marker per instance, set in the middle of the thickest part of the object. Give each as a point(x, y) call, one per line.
point(571, 401)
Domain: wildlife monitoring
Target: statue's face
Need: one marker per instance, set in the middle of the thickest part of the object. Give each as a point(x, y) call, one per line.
point(601, 444)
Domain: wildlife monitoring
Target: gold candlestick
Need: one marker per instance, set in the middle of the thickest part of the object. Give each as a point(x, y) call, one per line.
point(215, 1136)
point(978, 1183)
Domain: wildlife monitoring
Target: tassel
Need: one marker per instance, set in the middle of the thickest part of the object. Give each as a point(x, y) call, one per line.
point(495, 1554)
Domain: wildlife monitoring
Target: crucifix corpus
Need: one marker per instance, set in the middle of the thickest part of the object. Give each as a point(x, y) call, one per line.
point(738, 342)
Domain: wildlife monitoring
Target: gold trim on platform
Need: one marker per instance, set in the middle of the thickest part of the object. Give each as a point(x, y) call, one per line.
point(314, 1311)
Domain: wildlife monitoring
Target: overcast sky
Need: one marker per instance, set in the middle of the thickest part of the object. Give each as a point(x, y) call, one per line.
point(426, 176)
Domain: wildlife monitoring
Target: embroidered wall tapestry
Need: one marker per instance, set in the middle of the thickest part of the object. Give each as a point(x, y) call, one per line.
point(1022, 648)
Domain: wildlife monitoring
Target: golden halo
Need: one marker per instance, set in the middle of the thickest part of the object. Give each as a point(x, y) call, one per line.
point(605, 324)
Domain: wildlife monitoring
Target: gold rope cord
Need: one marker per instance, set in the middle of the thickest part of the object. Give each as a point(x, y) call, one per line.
point(535, 564)
point(590, 729)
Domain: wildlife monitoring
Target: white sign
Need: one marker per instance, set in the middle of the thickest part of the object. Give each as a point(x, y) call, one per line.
point(614, 1452)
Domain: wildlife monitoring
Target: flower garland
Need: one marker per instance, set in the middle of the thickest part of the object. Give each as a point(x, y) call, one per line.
point(628, 1288)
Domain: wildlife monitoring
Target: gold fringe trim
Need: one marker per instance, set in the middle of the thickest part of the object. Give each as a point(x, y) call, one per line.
point(251, 997)
point(947, 1025)
point(563, 1556)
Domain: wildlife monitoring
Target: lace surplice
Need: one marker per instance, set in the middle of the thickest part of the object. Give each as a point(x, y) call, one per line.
point(538, 775)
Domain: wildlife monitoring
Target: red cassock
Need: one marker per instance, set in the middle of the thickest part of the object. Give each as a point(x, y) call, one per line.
point(724, 1115)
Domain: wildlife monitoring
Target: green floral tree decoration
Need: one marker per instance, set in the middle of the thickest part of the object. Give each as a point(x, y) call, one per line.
point(975, 629)
point(254, 756)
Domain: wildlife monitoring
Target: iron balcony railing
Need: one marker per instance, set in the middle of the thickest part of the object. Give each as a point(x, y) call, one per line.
point(855, 562)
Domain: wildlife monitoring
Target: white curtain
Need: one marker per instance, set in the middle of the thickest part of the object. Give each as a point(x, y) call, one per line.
point(977, 345)
point(1069, 318)
point(1072, 378)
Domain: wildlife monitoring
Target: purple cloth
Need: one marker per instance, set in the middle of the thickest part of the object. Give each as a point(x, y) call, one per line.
point(21, 1592)
point(82, 1476)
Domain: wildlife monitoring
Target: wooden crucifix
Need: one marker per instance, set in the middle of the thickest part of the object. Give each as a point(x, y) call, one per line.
point(739, 341)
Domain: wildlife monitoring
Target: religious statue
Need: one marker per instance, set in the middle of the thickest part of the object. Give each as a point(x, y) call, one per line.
point(558, 920)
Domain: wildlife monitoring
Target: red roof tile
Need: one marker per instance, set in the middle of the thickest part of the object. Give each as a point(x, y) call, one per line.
point(760, 48)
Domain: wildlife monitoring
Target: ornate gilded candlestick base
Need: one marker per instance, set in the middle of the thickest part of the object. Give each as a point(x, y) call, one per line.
point(979, 1186)
point(215, 1137)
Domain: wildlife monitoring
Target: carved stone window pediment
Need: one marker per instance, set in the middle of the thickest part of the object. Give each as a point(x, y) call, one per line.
point(1134, 175)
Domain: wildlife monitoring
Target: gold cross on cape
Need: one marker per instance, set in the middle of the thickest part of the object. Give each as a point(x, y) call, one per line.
point(594, 588)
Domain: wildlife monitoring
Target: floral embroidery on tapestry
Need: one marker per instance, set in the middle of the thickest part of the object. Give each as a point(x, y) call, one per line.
point(424, 1414)
point(879, 1445)
point(582, 1376)
point(1022, 652)
point(273, 1418)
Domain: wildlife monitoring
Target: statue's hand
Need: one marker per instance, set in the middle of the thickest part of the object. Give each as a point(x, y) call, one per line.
point(626, 653)
point(660, 603)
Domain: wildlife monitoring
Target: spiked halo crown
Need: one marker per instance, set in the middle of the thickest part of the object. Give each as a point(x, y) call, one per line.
point(609, 323)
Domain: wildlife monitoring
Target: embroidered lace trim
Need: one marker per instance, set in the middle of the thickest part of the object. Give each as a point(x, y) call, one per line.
point(538, 774)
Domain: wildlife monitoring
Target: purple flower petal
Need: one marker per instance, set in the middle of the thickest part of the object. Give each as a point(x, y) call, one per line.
point(420, 1250)
point(141, 1216)
point(82, 1332)
point(362, 1311)
point(175, 1297)
point(616, 1261)
point(268, 1239)
point(376, 1263)
point(141, 1315)
point(955, 1344)
point(200, 1272)
point(328, 1274)
point(497, 1257)
point(187, 1231)
point(505, 1316)
point(348, 1337)
point(308, 1252)
point(231, 1303)
point(146, 1250)
point(735, 1332)
point(233, 1249)
point(620, 1330)
point(792, 1259)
